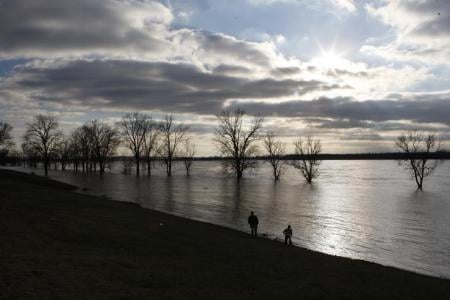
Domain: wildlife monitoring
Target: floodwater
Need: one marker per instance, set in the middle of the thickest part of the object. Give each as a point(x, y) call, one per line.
point(367, 210)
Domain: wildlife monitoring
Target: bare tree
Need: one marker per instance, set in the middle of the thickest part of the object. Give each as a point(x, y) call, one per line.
point(308, 163)
point(42, 135)
point(75, 151)
point(276, 150)
point(105, 140)
point(418, 146)
point(133, 128)
point(188, 155)
point(6, 140)
point(31, 154)
point(172, 136)
point(63, 151)
point(151, 137)
point(236, 143)
point(83, 143)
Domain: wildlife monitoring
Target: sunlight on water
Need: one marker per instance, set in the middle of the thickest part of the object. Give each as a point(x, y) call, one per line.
point(360, 209)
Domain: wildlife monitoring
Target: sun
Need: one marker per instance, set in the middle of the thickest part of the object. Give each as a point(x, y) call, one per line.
point(330, 60)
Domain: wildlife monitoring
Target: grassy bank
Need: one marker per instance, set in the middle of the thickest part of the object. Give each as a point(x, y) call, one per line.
point(58, 243)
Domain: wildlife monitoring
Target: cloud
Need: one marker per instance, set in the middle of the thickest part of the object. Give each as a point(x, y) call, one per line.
point(418, 108)
point(35, 28)
point(348, 5)
point(118, 85)
point(88, 58)
point(141, 30)
point(206, 48)
point(177, 87)
point(126, 29)
point(422, 27)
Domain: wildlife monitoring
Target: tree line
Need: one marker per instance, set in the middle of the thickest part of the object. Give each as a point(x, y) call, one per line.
point(91, 147)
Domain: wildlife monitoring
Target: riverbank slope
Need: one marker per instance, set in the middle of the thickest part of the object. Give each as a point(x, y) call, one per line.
point(58, 243)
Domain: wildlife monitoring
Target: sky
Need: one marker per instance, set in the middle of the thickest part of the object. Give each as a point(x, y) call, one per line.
point(356, 74)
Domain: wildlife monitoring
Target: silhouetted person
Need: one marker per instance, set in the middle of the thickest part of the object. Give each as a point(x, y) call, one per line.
point(288, 235)
point(253, 222)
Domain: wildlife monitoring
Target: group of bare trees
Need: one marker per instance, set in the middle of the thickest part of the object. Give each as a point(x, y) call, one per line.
point(90, 147)
point(238, 142)
point(168, 140)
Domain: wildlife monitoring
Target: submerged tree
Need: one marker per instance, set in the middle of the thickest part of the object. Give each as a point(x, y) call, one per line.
point(83, 146)
point(151, 138)
point(6, 140)
point(308, 157)
point(275, 150)
point(42, 135)
point(105, 140)
point(172, 135)
point(188, 155)
point(31, 154)
point(418, 146)
point(133, 128)
point(64, 151)
point(236, 141)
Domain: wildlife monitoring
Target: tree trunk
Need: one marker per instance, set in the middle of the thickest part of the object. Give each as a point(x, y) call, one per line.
point(46, 166)
point(137, 165)
point(169, 167)
point(101, 166)
point(149, 167)
point(420, 184)
point(275, 174)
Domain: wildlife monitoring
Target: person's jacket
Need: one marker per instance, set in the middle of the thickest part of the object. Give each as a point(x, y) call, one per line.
point(253, 220)
point(287, 232)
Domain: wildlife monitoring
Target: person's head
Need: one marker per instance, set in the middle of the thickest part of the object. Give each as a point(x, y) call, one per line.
point(289, 226)
point(252, 213)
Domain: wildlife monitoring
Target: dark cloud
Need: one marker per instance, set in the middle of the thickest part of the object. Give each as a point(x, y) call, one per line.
point(342, 123)
point(118, 28)
point(177, 87)
point(362, 136)
point(436, 16)
point(37, 27)
point(383, 126)
point(341, 72)
point(285, 71)
point(231, 69)
point(182, 87)
point(426, 108)
point(223, 45)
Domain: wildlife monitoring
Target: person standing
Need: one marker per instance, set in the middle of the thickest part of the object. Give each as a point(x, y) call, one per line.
point(288, 235)
point(253, 222)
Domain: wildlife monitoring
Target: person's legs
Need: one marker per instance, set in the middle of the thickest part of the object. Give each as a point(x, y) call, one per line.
point(256, 230)
point(290, 241)
point(285, 239)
